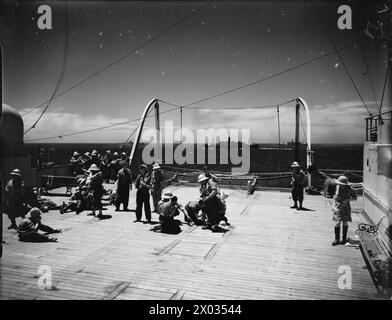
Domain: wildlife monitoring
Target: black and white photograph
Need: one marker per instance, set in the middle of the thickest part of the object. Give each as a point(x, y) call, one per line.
point(195, 155)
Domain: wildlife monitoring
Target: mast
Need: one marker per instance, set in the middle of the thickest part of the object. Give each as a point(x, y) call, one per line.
point(296, 150)
point(140, 129)
point(158, 158)
point(309, 152)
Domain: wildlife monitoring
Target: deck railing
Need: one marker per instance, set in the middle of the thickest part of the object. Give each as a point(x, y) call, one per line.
point(373, 122)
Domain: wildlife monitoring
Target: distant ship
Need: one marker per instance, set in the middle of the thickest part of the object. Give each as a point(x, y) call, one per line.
point(289, 146)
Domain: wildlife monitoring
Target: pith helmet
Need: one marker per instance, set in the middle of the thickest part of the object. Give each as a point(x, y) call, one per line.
point(201, 178)
point(295, 165)
point(15, 172)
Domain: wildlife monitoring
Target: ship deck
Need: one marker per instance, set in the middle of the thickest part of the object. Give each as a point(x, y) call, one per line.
point(272, 252)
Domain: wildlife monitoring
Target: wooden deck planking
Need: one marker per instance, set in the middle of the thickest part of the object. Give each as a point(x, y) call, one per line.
point(272, 252)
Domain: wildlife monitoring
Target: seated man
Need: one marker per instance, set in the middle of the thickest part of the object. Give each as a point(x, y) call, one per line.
point(168, 208)
point(193, 208)
point(31, 224)
point(78, 203)
point(213, 206)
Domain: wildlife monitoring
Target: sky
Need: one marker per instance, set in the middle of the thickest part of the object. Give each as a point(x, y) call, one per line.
point(221, 47)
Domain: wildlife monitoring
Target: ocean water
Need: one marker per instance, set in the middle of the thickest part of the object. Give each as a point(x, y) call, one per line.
point(263, 157)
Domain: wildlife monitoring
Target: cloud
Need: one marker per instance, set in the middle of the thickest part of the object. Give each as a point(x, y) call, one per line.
point(58, 123)
point(340, 122)
point(354, 106)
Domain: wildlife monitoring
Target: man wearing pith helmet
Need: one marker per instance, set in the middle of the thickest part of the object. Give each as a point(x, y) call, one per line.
point(342, 209)
point(31, 224)
point(14, 199)
point(95, 182)
point(156, 185)
point(143, 186)
point(298, 181)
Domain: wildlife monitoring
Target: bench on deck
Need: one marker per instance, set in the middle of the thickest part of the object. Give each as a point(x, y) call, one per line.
point(50, 182)
point(376, 248)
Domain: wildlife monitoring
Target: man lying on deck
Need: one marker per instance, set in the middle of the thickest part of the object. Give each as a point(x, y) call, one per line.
point(31, 224)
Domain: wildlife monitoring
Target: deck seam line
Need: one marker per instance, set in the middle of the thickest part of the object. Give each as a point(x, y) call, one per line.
point(117, 291)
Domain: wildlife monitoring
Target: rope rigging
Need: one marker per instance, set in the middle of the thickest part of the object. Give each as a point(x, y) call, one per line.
point(96, 129)
point(191, 104)
point(113, 63)
point(368, 73)
point(340, 56)
point(133, 132)
point(205, 99)
point(63, 68)
point(385, 84)
point(270, 76)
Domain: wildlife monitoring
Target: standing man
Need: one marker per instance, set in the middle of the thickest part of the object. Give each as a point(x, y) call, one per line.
point(14, 198)
point(114, 166)
point(124, 159)
point(105, 162)
point(208, 173)
point(95, 157)
point(75, 163)
point(143, 187)
point(156, 185)
point(298, 181)
point(342, 209)
point(95, 182)
point(124, 184)
point(86, 161)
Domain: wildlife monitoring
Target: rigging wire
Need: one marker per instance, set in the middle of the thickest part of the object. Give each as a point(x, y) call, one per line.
point(133, 132)
point(339, 55)
point(62, 72)
point(96, 129)
point(209, 98)
point(268, 77)
point(224, 108)
point(241, 108)
point(385, 84)
point(368, 73)
point(113, 63)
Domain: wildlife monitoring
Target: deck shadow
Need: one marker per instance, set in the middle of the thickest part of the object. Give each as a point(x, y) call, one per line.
point(306, 209)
